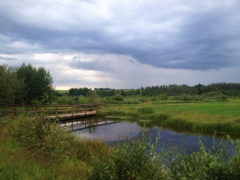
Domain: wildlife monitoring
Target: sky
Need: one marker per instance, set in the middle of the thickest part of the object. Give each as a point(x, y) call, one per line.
point(124, 44)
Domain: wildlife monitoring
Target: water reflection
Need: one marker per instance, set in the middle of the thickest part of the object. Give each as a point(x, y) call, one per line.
point(113, 133)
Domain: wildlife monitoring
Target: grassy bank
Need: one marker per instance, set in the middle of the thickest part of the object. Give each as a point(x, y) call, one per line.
point(36, 149)
point(214, 118)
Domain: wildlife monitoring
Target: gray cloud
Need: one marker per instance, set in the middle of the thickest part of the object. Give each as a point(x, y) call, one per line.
point(174, 34)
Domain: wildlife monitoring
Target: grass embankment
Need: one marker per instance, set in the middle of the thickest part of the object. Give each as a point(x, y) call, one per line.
point(215, 118)
point(36, 149)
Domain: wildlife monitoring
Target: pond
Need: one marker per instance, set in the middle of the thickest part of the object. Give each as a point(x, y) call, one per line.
point(112, 132)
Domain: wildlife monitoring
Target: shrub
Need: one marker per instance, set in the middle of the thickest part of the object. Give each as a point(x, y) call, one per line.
point(53, 142)
point(138, 160)
point(213, 163)
point(118, 97)
point(131, 160)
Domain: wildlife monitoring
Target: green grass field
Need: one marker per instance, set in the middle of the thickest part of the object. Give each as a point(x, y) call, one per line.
point(231, 108)
point(211, 117)
point(219, 108)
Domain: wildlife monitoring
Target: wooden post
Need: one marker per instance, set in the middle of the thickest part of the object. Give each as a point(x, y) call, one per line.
point(56, 111)
point(72, 111)
point(72, 125)
point(35, 111)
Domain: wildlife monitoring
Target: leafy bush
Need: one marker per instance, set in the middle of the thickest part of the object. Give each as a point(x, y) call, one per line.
point(222, 98)
point(132, 160)
point(118, 97)
point(41, 135)
point(64, 100)
point(138, 160)
point(206, 164)
point(12, 87)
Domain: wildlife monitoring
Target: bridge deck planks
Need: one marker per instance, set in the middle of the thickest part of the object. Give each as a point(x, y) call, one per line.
point(50, 112)
point(72, 115)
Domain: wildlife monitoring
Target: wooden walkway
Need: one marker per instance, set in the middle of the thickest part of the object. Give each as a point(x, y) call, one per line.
point(72, 115)
point(51, 112)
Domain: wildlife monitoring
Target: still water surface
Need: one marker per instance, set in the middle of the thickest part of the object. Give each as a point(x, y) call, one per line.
point(113, 133)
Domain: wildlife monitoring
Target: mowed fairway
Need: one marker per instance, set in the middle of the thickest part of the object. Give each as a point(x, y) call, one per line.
point(229, 108)
point(221, 108)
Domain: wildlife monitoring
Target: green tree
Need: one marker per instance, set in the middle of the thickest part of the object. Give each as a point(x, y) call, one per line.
point(38, 84)
point(118, 97)
point(11, 87)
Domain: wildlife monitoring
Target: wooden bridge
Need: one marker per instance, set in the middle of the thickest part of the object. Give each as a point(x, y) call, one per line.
point(50, 112)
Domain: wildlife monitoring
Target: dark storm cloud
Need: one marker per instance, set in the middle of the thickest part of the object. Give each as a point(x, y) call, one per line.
point(201, 35)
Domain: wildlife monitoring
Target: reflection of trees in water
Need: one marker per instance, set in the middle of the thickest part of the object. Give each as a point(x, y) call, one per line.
point(92, 130)
point(91, 122)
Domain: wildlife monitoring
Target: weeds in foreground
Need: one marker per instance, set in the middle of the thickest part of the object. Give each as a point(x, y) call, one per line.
point(207, 163)
point(36, 149)
point(136, 159)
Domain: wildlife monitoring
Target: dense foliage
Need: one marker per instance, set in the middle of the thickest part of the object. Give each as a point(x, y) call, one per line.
point(79, 91)
point(227, 89)
point(38, 84)
point(11, 86)
point(25, 85)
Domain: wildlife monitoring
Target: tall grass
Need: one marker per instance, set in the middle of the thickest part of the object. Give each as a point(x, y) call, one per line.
point(213, 163)
point(56, 153)
point(16, 163)
point(184, 120)
point(67, 156)
point(36, 149)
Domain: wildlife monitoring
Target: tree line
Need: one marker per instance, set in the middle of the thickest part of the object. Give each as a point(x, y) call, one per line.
point(30, 85)
point(228, 89)
point(25, 85)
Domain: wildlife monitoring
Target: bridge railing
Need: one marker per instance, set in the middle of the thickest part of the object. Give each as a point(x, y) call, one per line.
point(47, 110)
